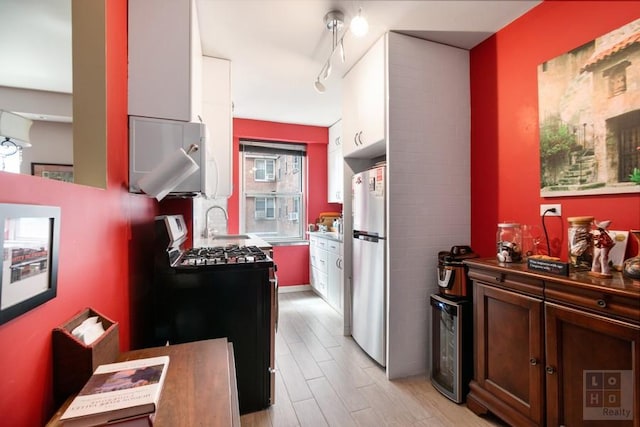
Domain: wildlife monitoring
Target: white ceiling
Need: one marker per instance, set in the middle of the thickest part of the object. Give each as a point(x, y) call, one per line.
point(276, 47)
point(36, 36)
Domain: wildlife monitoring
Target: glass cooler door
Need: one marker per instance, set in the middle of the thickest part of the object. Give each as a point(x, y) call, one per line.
point(445, 360)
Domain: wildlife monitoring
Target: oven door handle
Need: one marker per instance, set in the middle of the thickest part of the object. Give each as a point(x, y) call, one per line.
point(274, 282)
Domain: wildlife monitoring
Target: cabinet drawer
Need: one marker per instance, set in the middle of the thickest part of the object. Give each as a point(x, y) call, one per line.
point(321, 243)
point(524, 284)
point(318, 258)
point(624, 308)
point(318, 242)
point(319, 281)
point(333, 246)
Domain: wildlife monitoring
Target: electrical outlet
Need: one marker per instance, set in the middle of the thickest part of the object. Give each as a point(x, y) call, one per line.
point(558, 211)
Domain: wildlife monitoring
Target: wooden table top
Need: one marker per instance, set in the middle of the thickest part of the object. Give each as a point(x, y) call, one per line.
point(198, 388)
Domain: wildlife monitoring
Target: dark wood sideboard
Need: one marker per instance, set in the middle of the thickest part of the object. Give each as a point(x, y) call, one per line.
point(199, 390)
point(536, 334)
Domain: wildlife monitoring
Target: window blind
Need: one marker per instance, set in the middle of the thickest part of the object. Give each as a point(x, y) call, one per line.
point(281, 148)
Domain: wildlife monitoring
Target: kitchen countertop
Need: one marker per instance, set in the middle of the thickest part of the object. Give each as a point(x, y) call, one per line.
point(331, 235)
point(237, 239)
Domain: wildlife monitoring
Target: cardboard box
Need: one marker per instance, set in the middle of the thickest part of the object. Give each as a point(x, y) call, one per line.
point(74, 361)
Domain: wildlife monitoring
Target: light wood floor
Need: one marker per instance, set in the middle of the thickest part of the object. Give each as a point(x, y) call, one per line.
point(324, 379)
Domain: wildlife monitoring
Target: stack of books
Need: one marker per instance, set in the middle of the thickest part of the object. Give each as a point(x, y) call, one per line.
point(124, 394)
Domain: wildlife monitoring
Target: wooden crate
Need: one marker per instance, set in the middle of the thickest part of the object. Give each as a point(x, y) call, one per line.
point(74, 361)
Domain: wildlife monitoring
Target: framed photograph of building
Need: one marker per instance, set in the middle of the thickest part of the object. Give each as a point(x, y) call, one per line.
point(57, 171)
point(29, 244)
point(589, 117)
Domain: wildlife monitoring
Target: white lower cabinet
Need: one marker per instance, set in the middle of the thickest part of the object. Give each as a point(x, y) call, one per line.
point(325, 272)
point(318, 265)
point(335, 292)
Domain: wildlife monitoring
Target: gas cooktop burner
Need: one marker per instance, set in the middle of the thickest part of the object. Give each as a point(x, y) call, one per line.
point(216, 255)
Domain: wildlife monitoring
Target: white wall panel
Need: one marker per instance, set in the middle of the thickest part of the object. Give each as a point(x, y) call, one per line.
point(429, 209)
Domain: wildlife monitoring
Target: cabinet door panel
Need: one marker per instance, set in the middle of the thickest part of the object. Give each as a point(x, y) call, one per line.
point(335, 166)
point(364, 104)
point(350, 123)
point(217, 115)
point(579, 342)
point(509, 336)
point(371, 94)
point(161, 62)
point(334, 281)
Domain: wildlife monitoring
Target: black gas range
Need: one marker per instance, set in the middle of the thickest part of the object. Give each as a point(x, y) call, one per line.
point(230, 256)
point(171, 232)
point(213, 292)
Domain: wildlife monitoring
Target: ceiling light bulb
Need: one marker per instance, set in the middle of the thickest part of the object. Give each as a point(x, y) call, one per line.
point(359, 25)
point(327, 71)
point(319, 86)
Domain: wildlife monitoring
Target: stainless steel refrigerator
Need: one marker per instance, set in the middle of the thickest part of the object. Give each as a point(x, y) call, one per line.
point(369, 258)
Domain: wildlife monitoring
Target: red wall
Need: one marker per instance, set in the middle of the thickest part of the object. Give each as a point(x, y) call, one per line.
point(101, 253)
point(292, 261)
point(504, 122)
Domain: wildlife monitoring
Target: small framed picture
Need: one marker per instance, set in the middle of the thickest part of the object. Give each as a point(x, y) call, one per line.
point(29, 244)
point(616, 254)
point(57, 171)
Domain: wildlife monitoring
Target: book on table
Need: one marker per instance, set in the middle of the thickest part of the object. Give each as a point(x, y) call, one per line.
point(118, 392)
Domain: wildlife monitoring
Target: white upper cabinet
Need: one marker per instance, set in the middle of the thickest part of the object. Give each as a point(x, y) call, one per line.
point(217, 115)
point(335, 164)
point(364, 101)
point(165, 60)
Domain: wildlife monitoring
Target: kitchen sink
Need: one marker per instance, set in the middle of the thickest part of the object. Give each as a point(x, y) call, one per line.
point(230, 237)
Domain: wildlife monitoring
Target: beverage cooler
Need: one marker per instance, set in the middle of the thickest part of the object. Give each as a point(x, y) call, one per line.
point(452, 346)
point(452, 325)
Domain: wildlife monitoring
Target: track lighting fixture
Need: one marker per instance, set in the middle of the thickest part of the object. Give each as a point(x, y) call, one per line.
point(327, 70)
point(319, 86)
point(334, 21)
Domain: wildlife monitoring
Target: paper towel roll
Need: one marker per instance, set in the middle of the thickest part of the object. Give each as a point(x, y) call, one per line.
point(168, 174)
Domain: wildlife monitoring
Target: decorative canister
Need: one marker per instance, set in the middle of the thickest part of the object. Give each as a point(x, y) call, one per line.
point(580, 241)
point(631, 266)
point(509, 242)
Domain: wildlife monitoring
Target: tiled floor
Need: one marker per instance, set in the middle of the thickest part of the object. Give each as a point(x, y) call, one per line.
point(324, 379)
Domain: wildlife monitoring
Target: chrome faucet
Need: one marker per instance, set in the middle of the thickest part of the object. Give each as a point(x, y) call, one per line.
point(206, 218)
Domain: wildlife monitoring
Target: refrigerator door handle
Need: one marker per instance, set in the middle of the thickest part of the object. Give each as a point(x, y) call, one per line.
point(368, 236)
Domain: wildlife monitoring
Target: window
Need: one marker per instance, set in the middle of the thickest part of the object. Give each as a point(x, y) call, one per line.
point(264, 170)
point(265, 208)
point(272, 188)
point(617, 76)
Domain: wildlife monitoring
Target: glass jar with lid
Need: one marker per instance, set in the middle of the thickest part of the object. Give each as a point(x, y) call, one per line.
point(509, 242)
point(580, 242)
